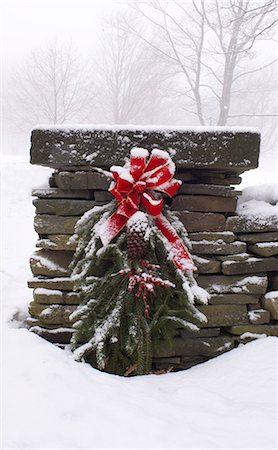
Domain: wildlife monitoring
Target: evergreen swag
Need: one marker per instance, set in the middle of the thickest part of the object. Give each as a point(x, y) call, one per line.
point(133, 295)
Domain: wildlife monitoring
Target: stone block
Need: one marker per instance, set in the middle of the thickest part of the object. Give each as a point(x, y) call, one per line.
point(55, 296)
point(265, 249)
point(81, 180)
point(63, 193)
point(217, 247)
point(221, 284)
point(232, 299)
point(253, 238)
point(235, 257)
point(207, 189)
point(50, 224)
point(268, 329)
point(209, 347)
point(62, 207)
point(259, 316)
point(270, 302)
point(56, 336)
point(60, 283)
point(206, 265)
point(57, 242)
point(204, 332)
point(204, 148)
point(194, 221)
point(50, 263)
point(204, 203)
point(226, 236)
point(243, 224)
point(273, 281)
point(251, 265)
point(224, 315)
point(52, 314)
point(254, 306)
point(224, 182)
point(103, 196)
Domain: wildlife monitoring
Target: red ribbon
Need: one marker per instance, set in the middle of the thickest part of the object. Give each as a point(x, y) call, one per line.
point(133, 187)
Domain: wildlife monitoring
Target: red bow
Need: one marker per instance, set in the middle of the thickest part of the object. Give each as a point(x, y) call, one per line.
point(133, 187)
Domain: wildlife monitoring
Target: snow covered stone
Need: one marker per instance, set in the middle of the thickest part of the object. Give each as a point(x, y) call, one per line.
point(250, 265)
point(57, 242)
point(218, 247)
point(62, 193)
point(221, 284)
point(265, 249)
point(231, 149)
point(50, 224)
point(267, 329)
point(207, 189)
point(252, 224)
point(258, 316)
point(206, 265)
point(270, 302)
point(60, 283)
point(253, 238)
point(58, 335)
point(81, 180)
point(233, 299)
point(50, 263)
point(55, 296)
point(226, 236)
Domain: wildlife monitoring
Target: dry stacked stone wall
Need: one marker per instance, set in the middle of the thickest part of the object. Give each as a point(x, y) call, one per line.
point(236, 257)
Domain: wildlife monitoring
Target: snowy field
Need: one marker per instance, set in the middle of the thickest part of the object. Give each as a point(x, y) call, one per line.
point(52, 402)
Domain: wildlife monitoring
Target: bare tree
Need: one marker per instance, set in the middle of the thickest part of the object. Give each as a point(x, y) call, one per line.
point(52, 86)
point(129, 76)
point(207, 43)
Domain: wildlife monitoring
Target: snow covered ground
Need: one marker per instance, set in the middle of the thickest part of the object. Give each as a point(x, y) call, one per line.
point(52, 402)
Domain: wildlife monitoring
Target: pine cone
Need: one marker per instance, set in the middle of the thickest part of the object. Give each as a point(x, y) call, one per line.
point(136, 244)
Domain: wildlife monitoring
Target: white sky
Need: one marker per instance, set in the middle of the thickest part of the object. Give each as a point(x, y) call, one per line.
point(28, 24)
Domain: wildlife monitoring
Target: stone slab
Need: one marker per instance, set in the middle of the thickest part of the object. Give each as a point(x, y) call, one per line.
point(63, 193)
point(265, 249)
point(50, 296)
point(273, 281)
point(207, 189)
point(259, 316)
point(243, 224)
point(234, 257)
point(62, 207)
point(50, 224)
point(60, 283)
point(50, 263)
point(195, 221)
point(223, 182)
point(209, 347)
point(270, 302)
point(206, 265)
point(268, 329)
point(52, 314)
point(226, 236)
point(103, 196)
point(221, 284)
point(204, 203)
point(232, 299)
point(229, 149)
point(253, 238)
point(57, 336)
point(57, 242)
point(217, 247)
point(250, 265)
point(204, 332)
point(224, 315)
point(81, 180)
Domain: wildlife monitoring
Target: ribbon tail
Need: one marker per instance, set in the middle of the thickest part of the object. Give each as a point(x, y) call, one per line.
point(111, 227)
point(181, 256)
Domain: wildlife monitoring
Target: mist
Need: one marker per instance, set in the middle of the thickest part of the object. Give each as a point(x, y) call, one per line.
point(210, 63)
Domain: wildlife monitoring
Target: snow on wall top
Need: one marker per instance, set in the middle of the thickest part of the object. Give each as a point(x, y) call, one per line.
point(233, 149)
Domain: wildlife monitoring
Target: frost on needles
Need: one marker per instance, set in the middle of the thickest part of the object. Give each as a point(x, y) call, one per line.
point(132, 293)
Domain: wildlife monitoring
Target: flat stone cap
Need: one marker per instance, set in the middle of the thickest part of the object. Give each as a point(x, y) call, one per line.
point(230, 149)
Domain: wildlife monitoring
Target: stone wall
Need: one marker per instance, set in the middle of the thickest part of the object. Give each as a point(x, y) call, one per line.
point(236, 258)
